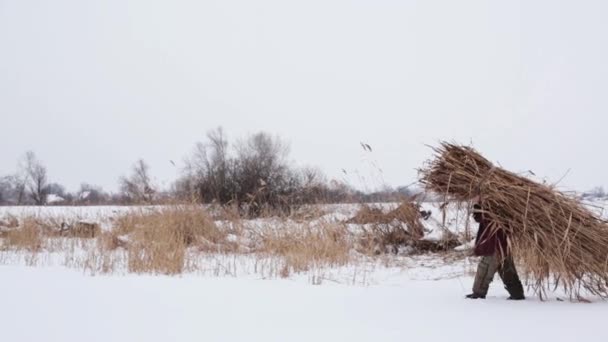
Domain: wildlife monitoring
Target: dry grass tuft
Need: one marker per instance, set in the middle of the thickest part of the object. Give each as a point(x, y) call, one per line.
point(159, 239)
point(225, 212)
point(189, 223)
point(80, 229)
point(303, 247)
point(176, 239)
point(552, 234)
point(28, 236)
point(409, 213)
point(308, 213)
point(111, 241)
point(368, 214)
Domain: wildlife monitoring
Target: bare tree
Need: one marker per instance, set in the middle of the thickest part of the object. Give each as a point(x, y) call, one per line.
point(218, 167)
point(264, 176)
point(35, 176)
point(313, 185)
point(596, 192)
point(13, 189)
point(138, 186)
point(4, 191)
point(254, 174)
point(208, 170)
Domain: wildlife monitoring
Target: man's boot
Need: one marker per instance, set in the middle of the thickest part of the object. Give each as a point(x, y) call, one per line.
point(516, 297)
point(509, 276)
point(475, 296)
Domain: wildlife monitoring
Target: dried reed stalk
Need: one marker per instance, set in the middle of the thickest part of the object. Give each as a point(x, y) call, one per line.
point(558, 240)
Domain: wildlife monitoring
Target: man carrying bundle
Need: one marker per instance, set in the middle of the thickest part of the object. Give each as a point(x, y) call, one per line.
point(491, 245)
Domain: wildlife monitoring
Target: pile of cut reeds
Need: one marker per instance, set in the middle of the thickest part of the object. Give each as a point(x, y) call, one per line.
point(554, 236)
point(407, 213)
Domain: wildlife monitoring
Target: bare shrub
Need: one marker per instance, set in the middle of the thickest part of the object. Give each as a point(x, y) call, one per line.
point(254, 174)
point(265, 179)
point(210, 171)
point(138, 188)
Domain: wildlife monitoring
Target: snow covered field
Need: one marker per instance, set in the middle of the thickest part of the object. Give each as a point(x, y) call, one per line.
point(393, 298)
point(56, 304)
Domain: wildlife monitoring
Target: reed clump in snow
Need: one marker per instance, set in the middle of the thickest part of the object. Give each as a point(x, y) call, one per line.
point(158, 239)
point(28, 235)
point(398, 227)
point(303, 247)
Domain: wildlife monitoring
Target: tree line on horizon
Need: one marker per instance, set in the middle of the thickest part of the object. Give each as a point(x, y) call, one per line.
point(253, 174)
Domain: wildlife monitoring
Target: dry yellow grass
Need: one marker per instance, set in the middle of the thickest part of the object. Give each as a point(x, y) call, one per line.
point(28, 236)
point(169, 240)
point(368, 214)
point(84, 230)
point(183, 238)
point(303, 247)
point(159, 239)
point(225, 212)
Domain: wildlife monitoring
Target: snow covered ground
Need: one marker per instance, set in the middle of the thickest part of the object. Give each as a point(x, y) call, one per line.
point(57, 304)
point(399, 298)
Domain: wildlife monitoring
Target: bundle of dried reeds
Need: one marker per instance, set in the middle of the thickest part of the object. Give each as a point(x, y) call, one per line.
point(407, 213)
point(558, 240)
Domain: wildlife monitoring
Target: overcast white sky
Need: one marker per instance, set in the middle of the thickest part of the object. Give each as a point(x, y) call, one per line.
point(91, 86)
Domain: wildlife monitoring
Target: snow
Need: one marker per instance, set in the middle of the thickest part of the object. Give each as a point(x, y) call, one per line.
point(455, 220)
point(73, 211)
point(56, 304)
point(84, 195)
point(241, 298)
point(52, 198)
point(102, 215)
